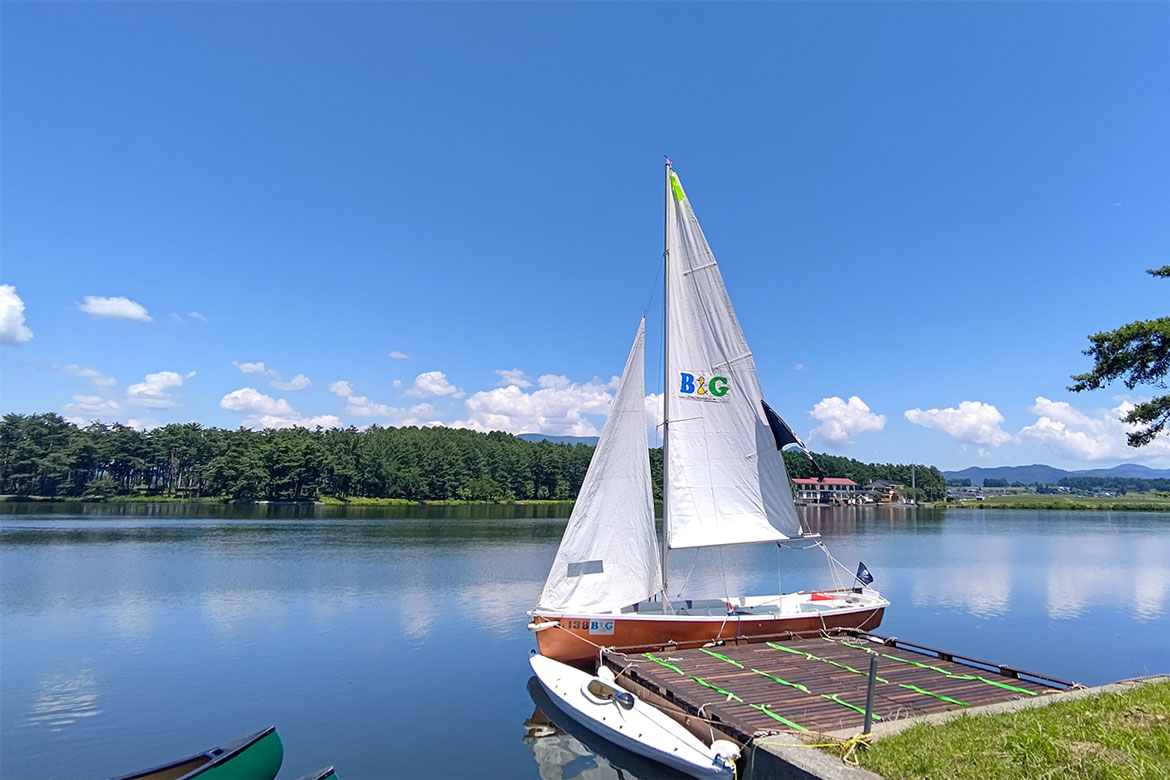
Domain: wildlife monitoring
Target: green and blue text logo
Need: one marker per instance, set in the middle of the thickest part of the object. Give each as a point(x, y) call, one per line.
point(692, 385)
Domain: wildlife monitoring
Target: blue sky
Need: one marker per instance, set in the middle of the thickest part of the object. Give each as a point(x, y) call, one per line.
point(927, 207)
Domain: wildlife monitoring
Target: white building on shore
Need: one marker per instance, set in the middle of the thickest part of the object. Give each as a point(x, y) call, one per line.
point(830, 490)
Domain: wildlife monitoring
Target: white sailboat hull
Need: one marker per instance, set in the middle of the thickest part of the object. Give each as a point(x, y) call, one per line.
point(641, 728)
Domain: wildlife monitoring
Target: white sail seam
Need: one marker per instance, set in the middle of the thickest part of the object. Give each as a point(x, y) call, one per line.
point(729, 361)
point(700, 268)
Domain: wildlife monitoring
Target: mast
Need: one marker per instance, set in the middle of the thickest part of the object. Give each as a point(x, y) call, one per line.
point(665, 389)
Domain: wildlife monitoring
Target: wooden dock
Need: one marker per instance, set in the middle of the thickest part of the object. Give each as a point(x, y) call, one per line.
point(817, 684)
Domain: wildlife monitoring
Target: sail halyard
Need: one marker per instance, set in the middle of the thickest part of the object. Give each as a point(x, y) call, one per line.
point(608, 556)
point(724, 478)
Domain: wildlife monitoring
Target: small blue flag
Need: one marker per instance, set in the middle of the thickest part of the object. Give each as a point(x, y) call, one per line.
point(863, 574)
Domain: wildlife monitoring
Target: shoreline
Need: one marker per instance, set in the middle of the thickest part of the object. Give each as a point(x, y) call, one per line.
point(1071, 506)
point(10, 499)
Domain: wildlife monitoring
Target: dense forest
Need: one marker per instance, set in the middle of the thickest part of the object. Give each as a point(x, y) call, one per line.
point(43, 455)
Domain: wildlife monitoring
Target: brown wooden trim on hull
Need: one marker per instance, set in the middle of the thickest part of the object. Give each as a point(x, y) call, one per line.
point(572, 643)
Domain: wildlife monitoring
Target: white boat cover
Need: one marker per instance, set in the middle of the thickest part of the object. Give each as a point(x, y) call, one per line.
point(608, 557)
point(726, 481)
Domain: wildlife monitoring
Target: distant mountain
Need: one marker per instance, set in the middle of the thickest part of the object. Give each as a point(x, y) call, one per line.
point(590, 440)
point(1126, 470)
point(1050, 475)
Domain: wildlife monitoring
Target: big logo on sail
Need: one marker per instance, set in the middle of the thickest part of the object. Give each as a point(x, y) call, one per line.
point(689, 384)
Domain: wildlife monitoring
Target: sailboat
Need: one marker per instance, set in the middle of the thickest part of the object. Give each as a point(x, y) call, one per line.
point(724, 483)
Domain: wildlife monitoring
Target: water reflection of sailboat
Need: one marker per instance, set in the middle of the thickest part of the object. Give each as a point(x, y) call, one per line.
point(565, 750)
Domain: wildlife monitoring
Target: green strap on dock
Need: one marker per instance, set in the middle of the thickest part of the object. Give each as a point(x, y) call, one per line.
point(804, 689)
point(715, 688)
point(782, 681)
point(764, 709)
point(1005, 686)
point(940, 670)
point(877, 678)
point(722, 657)
point(916, 689)
point(835, 698)
point(699, 680)
point(775, 646)
point(811, 657)
point(667, 664)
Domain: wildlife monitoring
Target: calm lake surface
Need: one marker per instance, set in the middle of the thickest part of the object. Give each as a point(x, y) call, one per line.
point(391, 641)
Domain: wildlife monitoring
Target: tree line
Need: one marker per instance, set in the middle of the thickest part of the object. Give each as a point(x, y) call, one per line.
point(1118, 485)
point(45, 455)
point(930, 484)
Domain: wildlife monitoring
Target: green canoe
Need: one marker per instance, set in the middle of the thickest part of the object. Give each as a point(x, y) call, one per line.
point(257, 757)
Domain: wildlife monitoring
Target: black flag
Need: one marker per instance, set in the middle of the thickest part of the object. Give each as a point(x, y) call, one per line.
point(863, 574)
point(784, 436)
point(780, 430)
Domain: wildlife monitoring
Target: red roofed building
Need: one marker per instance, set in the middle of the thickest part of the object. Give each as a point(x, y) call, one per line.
point(830, 490)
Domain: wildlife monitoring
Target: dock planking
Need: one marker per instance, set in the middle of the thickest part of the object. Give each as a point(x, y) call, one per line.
point(818, 684)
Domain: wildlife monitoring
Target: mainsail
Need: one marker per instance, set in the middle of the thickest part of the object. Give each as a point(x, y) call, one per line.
point(608, 557)
point(726, 481)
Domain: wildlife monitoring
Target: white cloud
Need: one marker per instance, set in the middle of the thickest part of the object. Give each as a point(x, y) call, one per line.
point(798, 367)
point(255, 368)
point(264, 411)
point(153, 390)
point(178, 319)
point(399, 355)
point(841, 420)
point(433, 383)
point(654, 415)
point(91, 406)
point(251, 401)
point(97, 378)
point(513, 376)
point(117, 308)
point(298, 382)
point(553, 381)
point(360, 406)
point(557, 408)
point(398, 383)
point(12, 328)
point(973, 422)
point(1083, 436)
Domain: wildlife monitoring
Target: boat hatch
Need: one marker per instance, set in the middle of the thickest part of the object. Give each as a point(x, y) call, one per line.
point(602, 693)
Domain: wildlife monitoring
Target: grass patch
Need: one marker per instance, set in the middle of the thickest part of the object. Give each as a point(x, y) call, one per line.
point(1114, 736)
point(1134, 502)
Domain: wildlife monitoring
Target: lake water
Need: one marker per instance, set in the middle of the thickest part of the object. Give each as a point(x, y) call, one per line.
point(391, 642)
